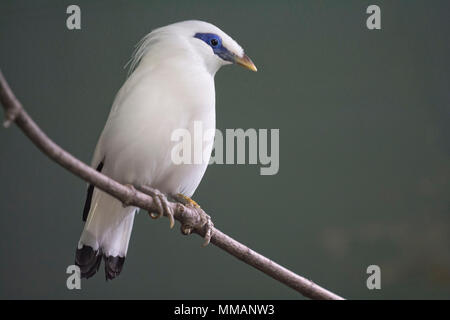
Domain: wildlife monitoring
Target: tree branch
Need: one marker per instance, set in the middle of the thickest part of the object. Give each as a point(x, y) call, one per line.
point(14, 112)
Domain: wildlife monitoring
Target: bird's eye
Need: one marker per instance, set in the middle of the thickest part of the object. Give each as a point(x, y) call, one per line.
point(214, 42)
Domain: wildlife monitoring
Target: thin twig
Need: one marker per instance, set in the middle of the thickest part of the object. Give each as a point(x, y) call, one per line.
point(14, 112)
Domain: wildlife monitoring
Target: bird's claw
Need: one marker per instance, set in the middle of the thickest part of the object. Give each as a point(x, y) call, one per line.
point(202, 220)
point(209, 228)
point(161, 204)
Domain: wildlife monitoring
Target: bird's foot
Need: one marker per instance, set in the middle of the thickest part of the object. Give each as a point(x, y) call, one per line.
point(161, 204)
point(199, 221)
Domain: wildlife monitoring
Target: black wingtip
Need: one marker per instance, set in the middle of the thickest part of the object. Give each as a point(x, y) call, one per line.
point(113, 266)
point(90, 191)
point(88, 260)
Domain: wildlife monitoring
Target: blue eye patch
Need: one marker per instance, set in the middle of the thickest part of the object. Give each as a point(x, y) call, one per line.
point(215, 42)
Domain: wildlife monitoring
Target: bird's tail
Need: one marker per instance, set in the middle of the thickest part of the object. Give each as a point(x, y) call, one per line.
point(106, 235)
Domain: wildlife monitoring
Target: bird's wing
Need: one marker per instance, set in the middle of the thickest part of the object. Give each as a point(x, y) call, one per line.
point(90, 191)
point(136, 141)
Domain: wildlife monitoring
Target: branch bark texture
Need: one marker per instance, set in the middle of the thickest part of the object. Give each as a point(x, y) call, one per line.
point(15, 113)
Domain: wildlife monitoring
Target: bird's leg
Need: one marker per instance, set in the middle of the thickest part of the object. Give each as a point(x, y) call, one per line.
point(161, 204)
point(203, 221)
point(181, 198)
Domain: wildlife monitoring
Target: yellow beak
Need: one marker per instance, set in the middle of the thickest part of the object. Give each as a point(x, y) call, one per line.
point(246, 62)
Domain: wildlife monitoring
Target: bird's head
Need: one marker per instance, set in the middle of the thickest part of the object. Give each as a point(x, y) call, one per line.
point(204, 41)
point(217, 47)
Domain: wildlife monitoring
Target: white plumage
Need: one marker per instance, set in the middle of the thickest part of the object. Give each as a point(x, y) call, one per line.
point(170, 87)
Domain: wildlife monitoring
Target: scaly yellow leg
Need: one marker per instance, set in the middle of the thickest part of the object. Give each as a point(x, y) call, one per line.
point(186, 200)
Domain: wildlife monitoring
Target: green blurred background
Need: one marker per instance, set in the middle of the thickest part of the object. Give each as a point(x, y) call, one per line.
point(364, 120)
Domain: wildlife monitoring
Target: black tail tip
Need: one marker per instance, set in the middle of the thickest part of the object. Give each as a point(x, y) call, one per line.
point(113, 266)
point(89, 260)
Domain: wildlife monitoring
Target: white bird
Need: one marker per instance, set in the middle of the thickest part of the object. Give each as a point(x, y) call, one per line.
point(171, 86)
